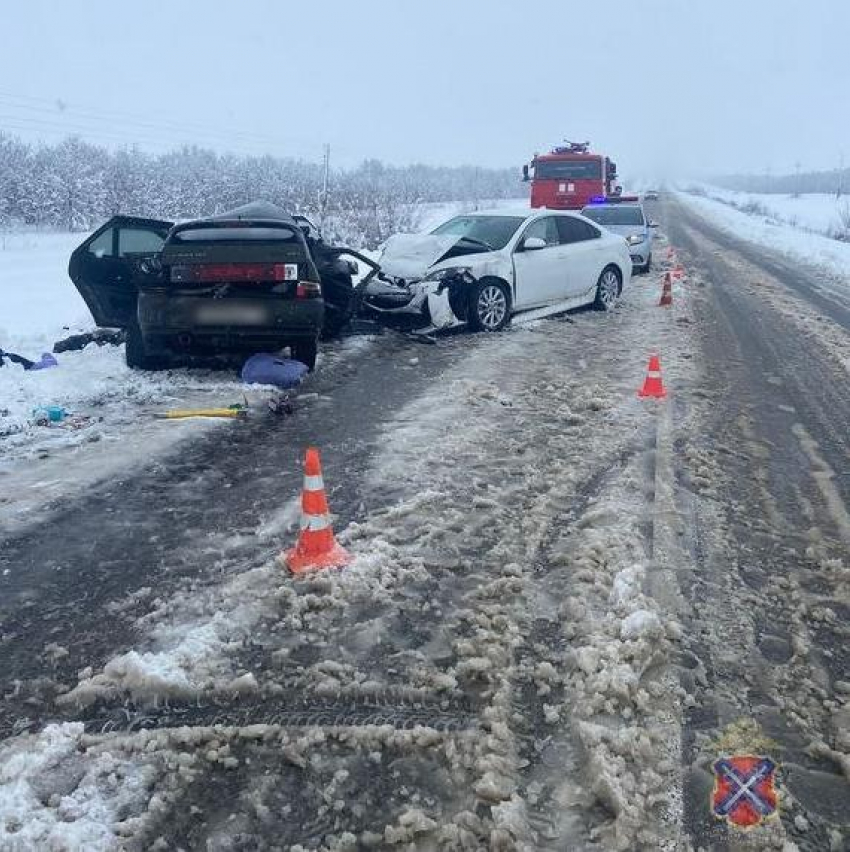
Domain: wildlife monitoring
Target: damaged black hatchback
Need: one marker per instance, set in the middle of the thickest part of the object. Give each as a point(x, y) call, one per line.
point(243, 281)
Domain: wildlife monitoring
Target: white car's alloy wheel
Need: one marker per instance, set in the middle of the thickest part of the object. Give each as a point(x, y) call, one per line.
point(491, 307)
point(609, 289)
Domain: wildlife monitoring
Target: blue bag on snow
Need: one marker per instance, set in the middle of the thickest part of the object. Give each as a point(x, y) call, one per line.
point(264, 369)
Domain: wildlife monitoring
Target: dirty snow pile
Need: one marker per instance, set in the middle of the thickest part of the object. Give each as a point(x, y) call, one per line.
point(54, 795)
point(190, 638)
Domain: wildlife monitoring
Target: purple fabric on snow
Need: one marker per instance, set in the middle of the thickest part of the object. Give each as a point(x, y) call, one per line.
point(264, 369)
point(47, 360)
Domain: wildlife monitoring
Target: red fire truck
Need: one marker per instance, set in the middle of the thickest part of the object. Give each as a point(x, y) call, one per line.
point(570, 177)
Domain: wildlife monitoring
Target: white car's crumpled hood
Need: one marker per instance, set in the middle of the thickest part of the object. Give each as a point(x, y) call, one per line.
point(410, 256)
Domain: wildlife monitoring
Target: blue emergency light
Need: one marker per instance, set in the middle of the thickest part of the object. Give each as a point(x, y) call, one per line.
point(614, 199)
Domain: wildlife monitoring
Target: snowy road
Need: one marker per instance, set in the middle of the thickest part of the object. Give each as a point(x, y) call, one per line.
point(562, 597)
point(766, 488)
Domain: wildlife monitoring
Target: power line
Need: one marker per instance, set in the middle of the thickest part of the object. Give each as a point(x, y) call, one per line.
point(92, 136)
point(97, 114)
point(59, 128)
point(213, 136)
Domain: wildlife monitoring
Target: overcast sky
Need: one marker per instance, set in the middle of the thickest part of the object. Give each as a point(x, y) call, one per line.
point(666, 87)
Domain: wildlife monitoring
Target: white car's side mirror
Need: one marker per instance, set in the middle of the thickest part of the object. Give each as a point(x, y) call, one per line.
point(653, 224)
point(533, 243)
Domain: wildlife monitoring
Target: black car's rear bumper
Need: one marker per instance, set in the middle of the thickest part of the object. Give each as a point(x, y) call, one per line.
point(221, 340)
point(203, 325)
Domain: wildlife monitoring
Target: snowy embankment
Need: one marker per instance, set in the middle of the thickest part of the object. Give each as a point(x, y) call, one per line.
point(796, 227)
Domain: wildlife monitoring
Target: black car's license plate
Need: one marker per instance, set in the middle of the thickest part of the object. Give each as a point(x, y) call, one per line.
point(223, 314)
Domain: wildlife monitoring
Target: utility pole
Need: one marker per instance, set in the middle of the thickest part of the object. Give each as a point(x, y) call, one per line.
point(323, 201)
point(797, 179)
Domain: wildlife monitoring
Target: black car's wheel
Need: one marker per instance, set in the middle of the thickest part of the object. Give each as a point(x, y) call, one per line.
point(607, 289)
point(136, 354)
point(489, 306)
point(336, 319)
point(306, 352)
point(338, 293)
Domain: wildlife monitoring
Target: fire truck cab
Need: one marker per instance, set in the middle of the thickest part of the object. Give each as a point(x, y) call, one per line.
point(569, 176)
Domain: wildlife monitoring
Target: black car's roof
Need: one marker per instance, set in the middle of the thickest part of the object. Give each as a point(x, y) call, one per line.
point(255, 211)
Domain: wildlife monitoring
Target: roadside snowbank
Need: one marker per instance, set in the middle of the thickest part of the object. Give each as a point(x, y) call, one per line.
point(801, 245)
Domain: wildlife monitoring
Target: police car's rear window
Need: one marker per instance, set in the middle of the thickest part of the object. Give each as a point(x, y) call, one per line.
point(614, 215)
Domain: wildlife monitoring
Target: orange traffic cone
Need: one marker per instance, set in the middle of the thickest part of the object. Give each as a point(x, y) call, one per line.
point(666, 292)
point(317, 547)
point(678, 271)
point(653, 386)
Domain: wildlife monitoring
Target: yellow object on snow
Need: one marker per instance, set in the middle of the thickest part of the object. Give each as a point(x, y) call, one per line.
point(179, 414)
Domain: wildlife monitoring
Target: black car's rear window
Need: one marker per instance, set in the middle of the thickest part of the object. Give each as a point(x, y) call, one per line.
point(237, 234)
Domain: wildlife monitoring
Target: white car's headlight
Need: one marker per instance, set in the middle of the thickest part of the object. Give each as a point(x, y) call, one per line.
point(634, 239)
point(450, 272)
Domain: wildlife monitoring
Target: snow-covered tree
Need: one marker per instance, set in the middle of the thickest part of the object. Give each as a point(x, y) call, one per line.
point(75, 185)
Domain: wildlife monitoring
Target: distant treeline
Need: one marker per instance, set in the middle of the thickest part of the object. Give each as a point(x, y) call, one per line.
point(74, 185)
point(836, 182)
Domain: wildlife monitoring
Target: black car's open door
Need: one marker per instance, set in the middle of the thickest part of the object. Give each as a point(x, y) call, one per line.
point(103, 268)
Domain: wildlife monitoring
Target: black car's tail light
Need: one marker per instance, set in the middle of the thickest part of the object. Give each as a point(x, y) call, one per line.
point(308, 290)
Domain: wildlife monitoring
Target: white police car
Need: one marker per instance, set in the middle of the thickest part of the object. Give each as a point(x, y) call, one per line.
point(625, 216)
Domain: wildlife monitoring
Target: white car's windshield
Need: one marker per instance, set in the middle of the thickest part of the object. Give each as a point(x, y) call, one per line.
point(614, 215)
point(495, 231)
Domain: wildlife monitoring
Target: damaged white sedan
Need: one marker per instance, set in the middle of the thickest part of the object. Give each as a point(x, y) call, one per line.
point(484, 267)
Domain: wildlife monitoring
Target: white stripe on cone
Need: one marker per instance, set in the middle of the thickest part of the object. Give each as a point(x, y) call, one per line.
point(314, 523)
point(314, 483)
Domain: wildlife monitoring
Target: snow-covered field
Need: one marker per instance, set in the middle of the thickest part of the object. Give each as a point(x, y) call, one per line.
point(820, 213)
point(38, 303)
point(809, 246)
point(432, 215)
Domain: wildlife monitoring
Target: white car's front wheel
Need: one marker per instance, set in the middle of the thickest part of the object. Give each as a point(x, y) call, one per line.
point(489, 306)
point(607, 289)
